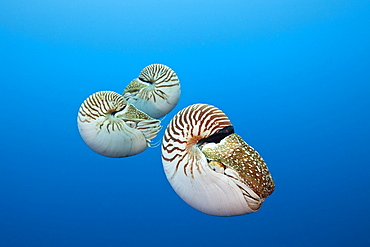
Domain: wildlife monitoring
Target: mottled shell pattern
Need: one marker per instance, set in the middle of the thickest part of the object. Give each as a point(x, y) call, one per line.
point(210, 167)
point(156, 91)
point(112, 127)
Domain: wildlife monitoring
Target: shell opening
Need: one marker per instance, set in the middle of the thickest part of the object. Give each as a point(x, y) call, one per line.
point(218, 136)
point(147, 81)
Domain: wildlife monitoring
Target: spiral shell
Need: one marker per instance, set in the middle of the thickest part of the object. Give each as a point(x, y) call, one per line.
point(156, 91)
point(210, 167)
point(112, 127)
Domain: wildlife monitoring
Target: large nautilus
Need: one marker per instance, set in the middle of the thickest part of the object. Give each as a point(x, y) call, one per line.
point(112, 127)
point(156, 91)
point(210, 167)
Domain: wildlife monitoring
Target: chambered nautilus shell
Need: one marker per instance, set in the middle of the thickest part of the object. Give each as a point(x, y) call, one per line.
point(113, 127)
point(156, 91)
point(210, 167)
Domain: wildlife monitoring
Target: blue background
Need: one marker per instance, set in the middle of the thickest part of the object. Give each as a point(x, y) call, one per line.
point(293, 77)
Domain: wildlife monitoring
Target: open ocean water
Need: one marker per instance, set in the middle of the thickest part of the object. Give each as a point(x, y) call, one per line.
point(293, 77)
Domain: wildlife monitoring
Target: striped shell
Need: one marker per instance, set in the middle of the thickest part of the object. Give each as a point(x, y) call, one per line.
point(114, 128)
point(210, 167)
point(156, 91)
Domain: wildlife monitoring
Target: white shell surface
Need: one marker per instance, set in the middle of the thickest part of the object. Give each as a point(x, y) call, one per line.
point(156, 91)
point(114, 128)
point(215, 178)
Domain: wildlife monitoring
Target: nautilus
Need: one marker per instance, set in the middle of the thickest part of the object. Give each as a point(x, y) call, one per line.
point(156, 91)
point(112, 127)
point(210, 167)
point(117, 125)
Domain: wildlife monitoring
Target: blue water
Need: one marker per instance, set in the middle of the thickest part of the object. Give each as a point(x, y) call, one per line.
point(293, 77)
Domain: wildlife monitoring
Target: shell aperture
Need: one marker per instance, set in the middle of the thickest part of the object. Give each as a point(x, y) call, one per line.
point(210, 167)
point(112, 127)
point(156, 91)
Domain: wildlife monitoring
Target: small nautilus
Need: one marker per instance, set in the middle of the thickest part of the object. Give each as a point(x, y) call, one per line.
point(112, 127)
point(156, 91)
point(210, 167)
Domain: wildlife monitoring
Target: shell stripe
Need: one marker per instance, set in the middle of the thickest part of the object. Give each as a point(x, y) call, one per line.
point(162, 77)
point(185, 130)
point(156, 91)
point(102, 104)
point(157, 73)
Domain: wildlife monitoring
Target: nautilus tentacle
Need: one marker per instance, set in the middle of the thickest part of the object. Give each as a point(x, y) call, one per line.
point(156, 91)
point(210, 167)
point(112, 127)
